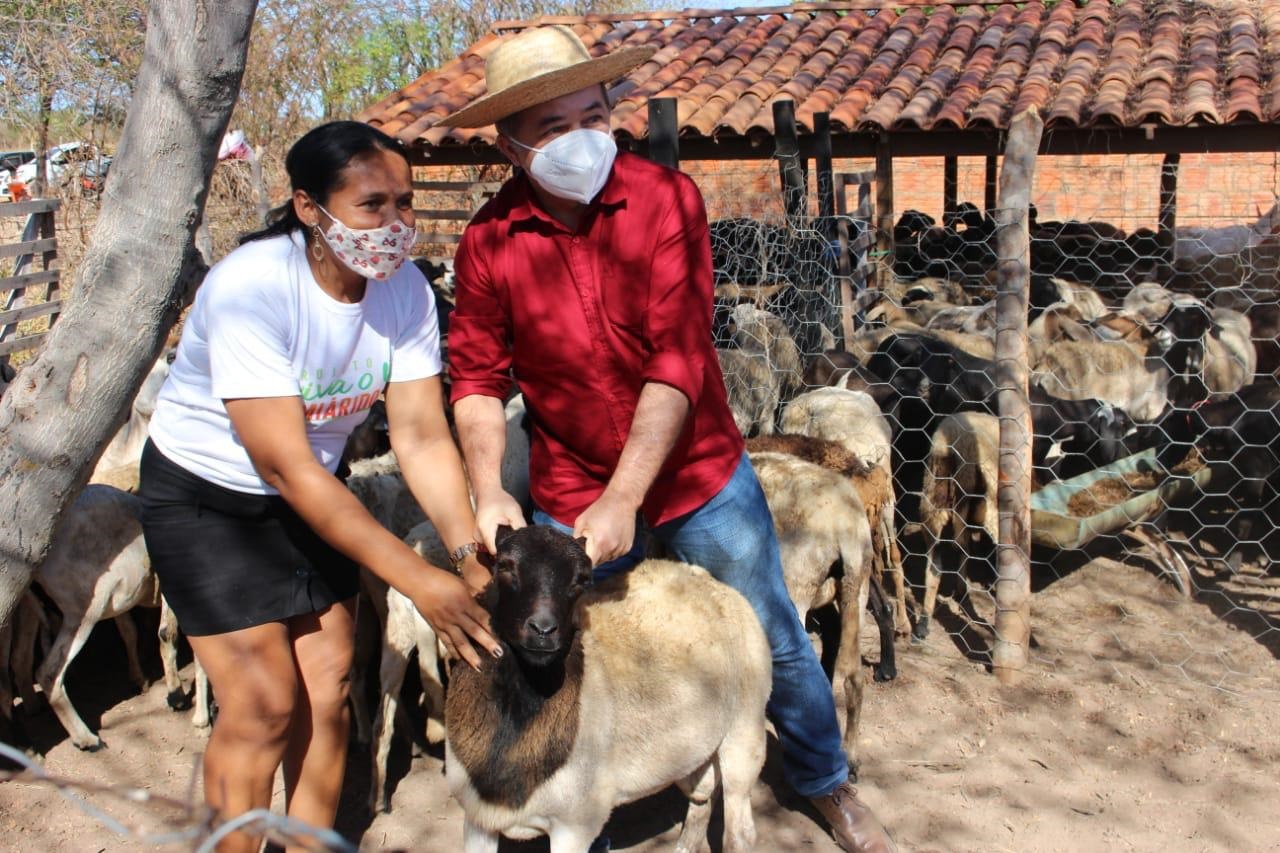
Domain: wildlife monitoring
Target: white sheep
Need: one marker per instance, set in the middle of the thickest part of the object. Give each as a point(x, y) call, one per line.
point(404, 632)
point(656, 676)
point(118, 465)
point(764, 371)
point(851, 418)
point(1230, 358)
point(820, 521)
point(97, 568)
point(958, 498)
point(1125, 375)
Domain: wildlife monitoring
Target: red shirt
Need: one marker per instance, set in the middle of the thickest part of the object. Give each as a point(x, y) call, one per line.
point(582, 320)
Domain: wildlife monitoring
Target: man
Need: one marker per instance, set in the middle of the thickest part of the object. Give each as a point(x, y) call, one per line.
point(588, 277)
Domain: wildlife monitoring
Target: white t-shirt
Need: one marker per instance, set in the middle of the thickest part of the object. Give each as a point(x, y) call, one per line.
point(261, 326)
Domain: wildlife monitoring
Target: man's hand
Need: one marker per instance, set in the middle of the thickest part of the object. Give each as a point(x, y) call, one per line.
point(609, 525)
point(492, 511)
point(445, 601)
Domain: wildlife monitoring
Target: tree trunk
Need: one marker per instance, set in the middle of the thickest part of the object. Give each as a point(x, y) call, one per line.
point(40, 186)
point(59, 414)
point(1013, 496)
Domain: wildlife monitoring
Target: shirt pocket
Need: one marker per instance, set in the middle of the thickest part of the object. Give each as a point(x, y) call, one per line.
point(625, 295)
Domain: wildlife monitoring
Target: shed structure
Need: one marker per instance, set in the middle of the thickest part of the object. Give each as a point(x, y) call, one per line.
point(884, 83)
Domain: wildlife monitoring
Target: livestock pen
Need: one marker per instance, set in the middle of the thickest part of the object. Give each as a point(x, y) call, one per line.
point(864, 177)
point(1059, 216)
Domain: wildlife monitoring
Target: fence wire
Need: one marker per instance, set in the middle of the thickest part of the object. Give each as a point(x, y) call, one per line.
point(1151, 354)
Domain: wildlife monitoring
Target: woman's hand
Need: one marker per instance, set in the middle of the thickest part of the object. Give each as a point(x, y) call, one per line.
point(475, 573)
point(447, 604)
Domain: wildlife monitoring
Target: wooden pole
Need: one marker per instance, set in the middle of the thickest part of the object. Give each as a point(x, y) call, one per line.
point(1013, 288)
point(950, 186)
point(787, 150)
point(883, 270)
point(989, 194)
point(822, 161)
point(664, 132)
point(1168, 227)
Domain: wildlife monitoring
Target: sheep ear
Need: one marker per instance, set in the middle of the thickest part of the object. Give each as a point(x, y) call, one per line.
point(501, 535)
point(581, 542)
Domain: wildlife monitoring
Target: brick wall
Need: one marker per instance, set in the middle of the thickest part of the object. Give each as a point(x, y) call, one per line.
point(1213, 189)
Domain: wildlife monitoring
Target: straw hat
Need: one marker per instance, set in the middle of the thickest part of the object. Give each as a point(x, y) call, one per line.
point(539, 65)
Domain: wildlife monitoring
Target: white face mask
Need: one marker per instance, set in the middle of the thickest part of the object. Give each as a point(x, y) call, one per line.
point(371, 252)
point(574, 166)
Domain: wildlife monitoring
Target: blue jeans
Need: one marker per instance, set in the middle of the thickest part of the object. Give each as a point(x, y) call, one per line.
point(732, 537)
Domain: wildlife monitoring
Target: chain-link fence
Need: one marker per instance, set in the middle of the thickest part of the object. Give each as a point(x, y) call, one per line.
point(1151, 354)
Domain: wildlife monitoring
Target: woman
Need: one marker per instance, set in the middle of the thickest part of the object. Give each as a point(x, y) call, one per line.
point(255, 541)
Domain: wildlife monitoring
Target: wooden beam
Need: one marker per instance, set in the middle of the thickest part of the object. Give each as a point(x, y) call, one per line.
point(950, 185)
point(1168, 225)
point(24, 343)
point(664, 132)
point(989, 190)
point(30, 279)
point(787, 151)
point(26, 208)
point(29, 247)
point(1013, 495)
point(882, 270)
point(822, 162)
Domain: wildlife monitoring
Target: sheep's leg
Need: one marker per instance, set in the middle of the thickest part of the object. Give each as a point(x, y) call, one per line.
point(573, 838)
point(932, 577)
point(390, 678)
point(71, 638)
point(847, 678)
point(367, 640)
point(129, 634)
point(28, 622)
point(738, 764)
point(6, 648)
point(432, 686)
point(901, 621)
point(168, 633)
point(201, 717)
point(699, 787)
point(887, 668)
point(477, 840)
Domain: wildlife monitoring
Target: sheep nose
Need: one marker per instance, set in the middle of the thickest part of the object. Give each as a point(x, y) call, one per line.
point(543, 626)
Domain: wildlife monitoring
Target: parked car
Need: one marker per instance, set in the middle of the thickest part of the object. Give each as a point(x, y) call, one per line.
point(59, 157)
point(9, 161)
point(93, 174)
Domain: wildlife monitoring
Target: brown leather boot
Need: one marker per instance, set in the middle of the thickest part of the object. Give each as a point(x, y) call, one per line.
point(856, 828)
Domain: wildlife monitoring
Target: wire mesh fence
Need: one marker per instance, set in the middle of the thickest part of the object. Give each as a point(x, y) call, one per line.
point(1151, 333)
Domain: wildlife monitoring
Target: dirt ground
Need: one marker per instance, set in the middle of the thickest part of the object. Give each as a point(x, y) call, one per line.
point(1147, 722)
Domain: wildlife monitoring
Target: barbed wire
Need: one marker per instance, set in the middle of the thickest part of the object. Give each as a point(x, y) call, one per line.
point(190, 823)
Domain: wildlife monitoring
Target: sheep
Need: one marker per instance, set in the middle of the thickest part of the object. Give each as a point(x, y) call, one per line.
point(118, 465)
point(966, 319)
point(1113, 372)
point(97, 568)
point(7, 375)
point(17, 646)
point(750, 386)
point(603, 696)
point(851, 418)
point(405, 631)
point(764, 371)
point(820, 519)
point(959, 494)
point(371, 438)
point(875, 488)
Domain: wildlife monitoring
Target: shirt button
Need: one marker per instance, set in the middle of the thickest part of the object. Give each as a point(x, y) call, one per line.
point(576, 240)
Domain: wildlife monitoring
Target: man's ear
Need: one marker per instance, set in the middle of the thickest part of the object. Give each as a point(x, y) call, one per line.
point(510, 151)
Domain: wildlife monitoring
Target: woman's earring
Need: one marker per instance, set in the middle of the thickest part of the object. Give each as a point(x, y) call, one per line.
point(317, 251)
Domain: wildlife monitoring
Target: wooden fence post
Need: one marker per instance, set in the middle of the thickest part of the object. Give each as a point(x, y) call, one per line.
point(950, 186)
point(883, 270)
point(1168, 226)
point(1013, 287)
point(787, 151)
point(664, 132)
point(989, 190)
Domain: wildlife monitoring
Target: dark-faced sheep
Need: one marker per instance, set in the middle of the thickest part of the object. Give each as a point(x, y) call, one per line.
point(605, 695)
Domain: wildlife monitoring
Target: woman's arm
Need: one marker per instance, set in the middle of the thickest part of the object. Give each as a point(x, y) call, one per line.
point(273, 432)
point(432, 467)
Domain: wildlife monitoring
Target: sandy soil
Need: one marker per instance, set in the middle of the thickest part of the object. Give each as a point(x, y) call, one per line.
point(1146, 723)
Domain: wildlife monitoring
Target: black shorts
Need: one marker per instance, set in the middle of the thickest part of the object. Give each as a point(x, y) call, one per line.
point(229, 560)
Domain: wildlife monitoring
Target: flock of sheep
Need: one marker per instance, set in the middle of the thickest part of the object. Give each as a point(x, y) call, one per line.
point(897, 428)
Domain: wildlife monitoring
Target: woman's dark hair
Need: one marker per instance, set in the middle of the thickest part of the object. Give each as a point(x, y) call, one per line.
point(315, 164)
